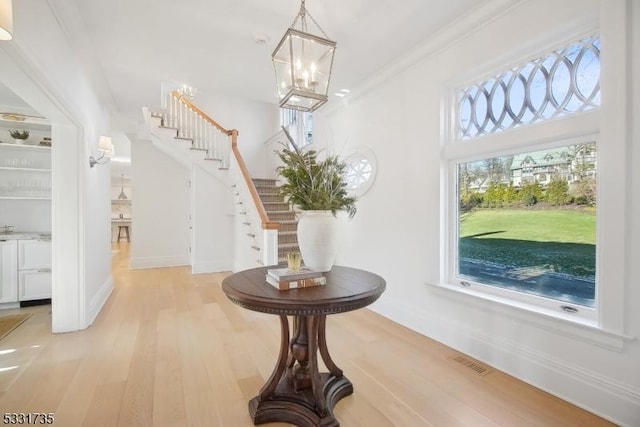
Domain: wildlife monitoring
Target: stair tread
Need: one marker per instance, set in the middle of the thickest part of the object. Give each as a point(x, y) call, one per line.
point(287, 245)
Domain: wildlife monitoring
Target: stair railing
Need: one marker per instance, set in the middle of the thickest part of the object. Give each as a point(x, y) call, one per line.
point(218, 142)
point(192, 123)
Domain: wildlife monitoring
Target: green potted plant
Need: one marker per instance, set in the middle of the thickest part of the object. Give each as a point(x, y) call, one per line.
point(317, 188)
point(19, 136)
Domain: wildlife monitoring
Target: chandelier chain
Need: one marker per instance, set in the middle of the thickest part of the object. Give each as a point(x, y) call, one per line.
point(302, 16)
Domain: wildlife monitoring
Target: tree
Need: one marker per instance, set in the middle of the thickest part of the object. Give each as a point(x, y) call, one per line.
point(583, 159)
point(557, 192)
point(494, 195)
point(531, 193)
point(510, 195)
point(584, 191)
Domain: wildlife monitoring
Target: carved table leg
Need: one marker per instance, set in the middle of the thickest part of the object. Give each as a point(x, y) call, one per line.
point(301, 396)
point(276, 375)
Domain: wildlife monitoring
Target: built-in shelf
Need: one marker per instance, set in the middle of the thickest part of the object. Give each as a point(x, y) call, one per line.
point(25, 172)
point(25, 197)
point(18, 169)
point(27, 147)
point(8, 120)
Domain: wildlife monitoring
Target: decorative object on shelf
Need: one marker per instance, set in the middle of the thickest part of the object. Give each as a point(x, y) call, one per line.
point(122, 196)
point(105, 148)
point(319, 190)
point(46, 142)
point(13, 117)
point(19, 136)
point(303, 64)
point(6, 20)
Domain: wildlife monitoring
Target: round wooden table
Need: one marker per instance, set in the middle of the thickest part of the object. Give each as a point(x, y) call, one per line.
point(296, 392)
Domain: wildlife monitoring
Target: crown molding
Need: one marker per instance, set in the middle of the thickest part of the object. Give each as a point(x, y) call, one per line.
point(477, 18)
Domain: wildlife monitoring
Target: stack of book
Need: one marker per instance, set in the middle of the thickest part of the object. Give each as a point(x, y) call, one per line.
point(285, 279)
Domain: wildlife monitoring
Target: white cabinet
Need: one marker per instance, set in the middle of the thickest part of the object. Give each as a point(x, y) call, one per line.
point(34, 269)
point(8, 271)
point(34, 254)
point(34, 284)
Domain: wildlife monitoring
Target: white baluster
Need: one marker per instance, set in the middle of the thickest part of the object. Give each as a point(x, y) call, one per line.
point(170, 111)
point(199, 129)
point(210, 130)
point(176, 113)
point(187, 122)
point(183, 120)
point(187, 125)
point(225, 151)
point(217, 144)
point(192, 124)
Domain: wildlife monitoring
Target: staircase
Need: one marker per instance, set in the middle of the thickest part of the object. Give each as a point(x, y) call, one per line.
point(270, 222)
point(278, 210)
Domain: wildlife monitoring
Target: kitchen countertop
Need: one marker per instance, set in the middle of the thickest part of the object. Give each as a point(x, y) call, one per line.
point(20, 235)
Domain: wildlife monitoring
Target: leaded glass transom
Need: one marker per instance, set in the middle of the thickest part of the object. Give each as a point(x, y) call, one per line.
point(563, 82)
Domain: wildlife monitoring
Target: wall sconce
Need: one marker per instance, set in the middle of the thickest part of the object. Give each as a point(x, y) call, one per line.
point(105, 148)
point(6, 20)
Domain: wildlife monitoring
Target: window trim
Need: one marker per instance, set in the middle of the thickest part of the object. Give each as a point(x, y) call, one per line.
point(551, 307)
point(610, 122)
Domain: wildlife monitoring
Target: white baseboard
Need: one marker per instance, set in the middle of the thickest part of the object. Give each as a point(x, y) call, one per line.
point(201, 267)
point(98, 301)
point(607, 397)
point(159, 262)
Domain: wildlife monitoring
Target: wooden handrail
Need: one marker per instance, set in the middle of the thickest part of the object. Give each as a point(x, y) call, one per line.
point(188, 103)
point(266, 223)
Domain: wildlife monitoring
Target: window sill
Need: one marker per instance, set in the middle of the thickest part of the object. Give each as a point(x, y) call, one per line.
point(556, 322)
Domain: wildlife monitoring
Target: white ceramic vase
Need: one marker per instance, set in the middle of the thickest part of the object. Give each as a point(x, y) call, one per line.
point(318, 237)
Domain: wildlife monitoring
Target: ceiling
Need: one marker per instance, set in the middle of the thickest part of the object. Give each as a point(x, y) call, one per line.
point(211, 44)
point(132, 47)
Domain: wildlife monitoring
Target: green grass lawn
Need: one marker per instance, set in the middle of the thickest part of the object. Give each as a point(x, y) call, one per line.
point(552, 239)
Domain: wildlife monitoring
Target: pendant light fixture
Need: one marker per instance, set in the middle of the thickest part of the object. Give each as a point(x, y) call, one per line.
point(6, 20)
point(303, 63)
point(122, 196)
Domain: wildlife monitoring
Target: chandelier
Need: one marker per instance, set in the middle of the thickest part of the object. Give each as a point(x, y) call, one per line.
point(303, 63)
point(187, 92)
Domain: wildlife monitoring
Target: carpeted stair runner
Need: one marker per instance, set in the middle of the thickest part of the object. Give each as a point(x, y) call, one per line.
point(280, 211)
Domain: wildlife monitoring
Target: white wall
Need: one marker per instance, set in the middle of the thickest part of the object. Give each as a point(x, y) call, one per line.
point(40, 66)
point(399, 119)
point(255, 121)
point(212, 220)
point(26, 215)
point(161, 208)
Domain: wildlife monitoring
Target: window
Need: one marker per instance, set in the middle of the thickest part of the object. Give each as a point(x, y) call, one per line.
point(360, 171)
point(299, 124)
point(563, 82)
point(537, 236)
point(522, 205)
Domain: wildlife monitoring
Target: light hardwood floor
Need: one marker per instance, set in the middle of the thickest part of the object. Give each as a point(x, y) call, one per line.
point(169, 349)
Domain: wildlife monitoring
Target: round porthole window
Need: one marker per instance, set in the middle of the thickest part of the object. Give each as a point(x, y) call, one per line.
point(360, 171)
